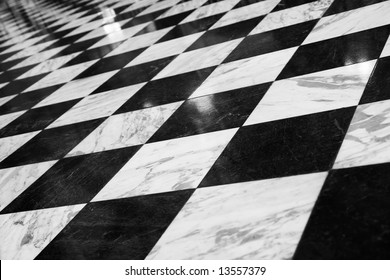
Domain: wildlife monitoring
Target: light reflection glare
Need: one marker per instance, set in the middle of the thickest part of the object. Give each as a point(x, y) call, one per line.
point(108, 15)
point(365, 68)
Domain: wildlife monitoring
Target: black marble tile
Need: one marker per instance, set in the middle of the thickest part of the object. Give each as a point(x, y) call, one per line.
point(63, 41)
point(111, 63)
point(18, 86)
point(244, 3)
point(144, 18)
point(36, 119)
point(378, 86)
point(92, 54)
point(11, 75)
point(135, 74)
point(27, 100)
point(191, 27)
point(164, 23)
point(118, 10)
point(226, 33)
point(337, 52)
point(72, 180)
point(4, 66)
point(350, 219)
point(166, 90)
point(286, 4)
point(51, 144)
point(79, 46)
point(272, 41)
point(117, 229)
point(7, 55)
point(127, 15)
point(281, 148)
point(60, 38)
point(339, 6)
point(208, 2)
point(211, 113)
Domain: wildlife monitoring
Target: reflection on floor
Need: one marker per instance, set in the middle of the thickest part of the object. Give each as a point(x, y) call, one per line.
point(195, 129)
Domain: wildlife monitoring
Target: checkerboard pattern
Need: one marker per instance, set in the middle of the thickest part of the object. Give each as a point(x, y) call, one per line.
point(195, 129)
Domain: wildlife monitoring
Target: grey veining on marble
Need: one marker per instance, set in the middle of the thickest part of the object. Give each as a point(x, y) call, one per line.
point(165, 49)
point(15, 180)
point(171, 165)
point(39, 57)
point(211, 9)
point(350, 22)
point(10, 144)
point(76, 89)
point(62, 75)
point(28, 233)
point(127, 129)
point(246, 12)
point(198, 59)
point(49, 65)
point(368, 138)
point(316, 92)
point(97, 105)
point(245, 72)
point(30, 51)
point(250, 220)
point(292, 16)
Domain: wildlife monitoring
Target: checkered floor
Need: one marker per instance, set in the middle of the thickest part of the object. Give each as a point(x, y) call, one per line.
point(200, 129)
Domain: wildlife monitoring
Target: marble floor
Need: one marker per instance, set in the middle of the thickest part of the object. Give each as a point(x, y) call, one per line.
point(195, 129)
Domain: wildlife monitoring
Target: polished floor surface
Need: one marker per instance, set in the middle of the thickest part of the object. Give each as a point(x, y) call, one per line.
point(195, 129)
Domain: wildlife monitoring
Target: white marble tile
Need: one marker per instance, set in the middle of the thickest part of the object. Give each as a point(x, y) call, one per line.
point(159, 6)
point(198, 59)
point(86, 27)
point(24, 44)
point(165, 166)
point(211, 9)
point(76, 89)
point(8, 118)
point(39, 57)
point(251, 220)
point(140, 41)
point(317, 92)
point(139, 4)
point(105, 29)
point(368, 138)
point(49, 65)
point(183, 7)
point(75, 21)
point(62, 75)
point(4, 100)
point(246, 12)
point(166, 49)
point(291, 16)
point(10, 144)
point(127, 129)
point(386, 49)
point(96, 106)
point(118, 34)
point(30, 51)
point(350, 22)
point(245, 72)
point(15, 180)
point(24, 235)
